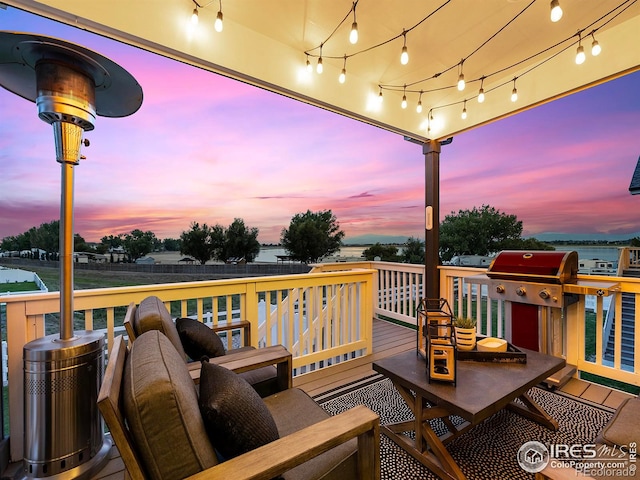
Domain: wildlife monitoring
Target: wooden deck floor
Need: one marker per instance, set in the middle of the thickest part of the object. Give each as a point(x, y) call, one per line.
point(388, 339)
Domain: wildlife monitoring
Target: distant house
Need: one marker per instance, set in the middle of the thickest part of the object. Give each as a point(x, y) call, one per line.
point(186, 260)
point(634, 188)
point(88, 257)
point(117, 254)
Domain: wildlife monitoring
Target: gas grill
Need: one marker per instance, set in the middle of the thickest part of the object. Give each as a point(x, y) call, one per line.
point(535, 278)
point(537, 287)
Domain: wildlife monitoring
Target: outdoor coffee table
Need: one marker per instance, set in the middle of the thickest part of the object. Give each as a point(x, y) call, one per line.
point(481, 390)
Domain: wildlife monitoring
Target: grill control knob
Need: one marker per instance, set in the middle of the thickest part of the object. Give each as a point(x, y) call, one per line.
point(500, 289)
point(544, 294)
point(521, 291)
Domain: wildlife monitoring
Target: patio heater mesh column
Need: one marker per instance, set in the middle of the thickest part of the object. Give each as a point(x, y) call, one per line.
point(63, 429)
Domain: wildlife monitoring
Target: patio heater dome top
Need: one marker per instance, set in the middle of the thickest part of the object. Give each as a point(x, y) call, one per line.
point(117, 93)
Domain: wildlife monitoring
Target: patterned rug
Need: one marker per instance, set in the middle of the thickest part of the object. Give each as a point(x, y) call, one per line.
point(487, 451)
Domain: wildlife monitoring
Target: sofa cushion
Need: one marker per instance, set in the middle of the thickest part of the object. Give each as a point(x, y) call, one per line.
point(624, 426)
point(151, 314)
point(161, 408)
point(198, 340)
point(235, 417)
point(294, 410)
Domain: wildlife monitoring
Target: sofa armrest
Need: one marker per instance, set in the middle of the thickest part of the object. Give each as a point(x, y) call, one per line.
point(277, 457)
point(243, 325)
point(128, 322)
point(246, 360)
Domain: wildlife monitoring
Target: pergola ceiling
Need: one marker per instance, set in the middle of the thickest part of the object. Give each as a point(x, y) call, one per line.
point(264, 43)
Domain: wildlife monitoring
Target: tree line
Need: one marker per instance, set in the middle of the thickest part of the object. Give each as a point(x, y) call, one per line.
point(310, 237)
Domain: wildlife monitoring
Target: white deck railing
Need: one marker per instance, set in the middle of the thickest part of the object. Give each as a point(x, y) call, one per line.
point(323, 318)
point(399, 287)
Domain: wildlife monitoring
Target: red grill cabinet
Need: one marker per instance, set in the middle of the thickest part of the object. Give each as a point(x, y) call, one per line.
point(531, 280)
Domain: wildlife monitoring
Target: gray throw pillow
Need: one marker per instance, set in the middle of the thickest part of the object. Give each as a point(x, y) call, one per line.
point(235, 417)
point(198, 340)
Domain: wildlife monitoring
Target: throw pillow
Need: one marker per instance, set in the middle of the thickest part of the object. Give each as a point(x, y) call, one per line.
point(235, 417)
point(198, 340)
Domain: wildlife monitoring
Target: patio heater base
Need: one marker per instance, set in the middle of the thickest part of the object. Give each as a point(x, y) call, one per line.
point(64, 431)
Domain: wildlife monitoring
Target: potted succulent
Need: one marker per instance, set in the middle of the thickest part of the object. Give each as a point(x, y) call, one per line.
point(465, 332)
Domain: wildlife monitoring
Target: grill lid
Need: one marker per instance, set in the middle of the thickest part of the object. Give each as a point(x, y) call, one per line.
point(535, 266)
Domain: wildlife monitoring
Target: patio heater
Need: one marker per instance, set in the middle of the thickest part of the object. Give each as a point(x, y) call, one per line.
point(63, 430)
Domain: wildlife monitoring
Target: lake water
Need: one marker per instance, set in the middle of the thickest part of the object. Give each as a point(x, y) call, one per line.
point(610, 254)
point(268, 254)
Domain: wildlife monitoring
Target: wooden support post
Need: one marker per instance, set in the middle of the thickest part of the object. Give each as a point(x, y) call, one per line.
point(431, 153)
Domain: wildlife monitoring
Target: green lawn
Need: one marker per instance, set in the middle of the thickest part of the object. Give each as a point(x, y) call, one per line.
point(13, 287)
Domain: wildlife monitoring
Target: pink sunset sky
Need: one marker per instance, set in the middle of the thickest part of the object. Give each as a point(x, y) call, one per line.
point(208, 149)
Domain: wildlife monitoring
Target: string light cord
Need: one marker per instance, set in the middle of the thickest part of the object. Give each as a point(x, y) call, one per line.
point(204, 5)
point(378, 45)
point(352, 9)
point(529, 70)
point(571, 38)
point(477, 49)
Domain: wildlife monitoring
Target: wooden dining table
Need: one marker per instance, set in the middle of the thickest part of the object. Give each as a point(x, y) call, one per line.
point(481, 389)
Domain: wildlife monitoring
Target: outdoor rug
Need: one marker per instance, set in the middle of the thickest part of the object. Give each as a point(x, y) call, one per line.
point(487, 451)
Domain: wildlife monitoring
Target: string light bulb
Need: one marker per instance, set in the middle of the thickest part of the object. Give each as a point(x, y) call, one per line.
point(580, 55)
point(309, 66)
point(353, 35)
point(343, 74)
point(380, 96)
point(419, 106)
point(404, 56)
point(218, 23)
point(194, 16)
point(481, 91)
point(404, 98)
point(556, 11)
point(464, 111)
point(595, 46)
point(514, 92)
point(319, 67)
point(461, 83)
